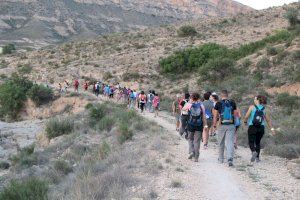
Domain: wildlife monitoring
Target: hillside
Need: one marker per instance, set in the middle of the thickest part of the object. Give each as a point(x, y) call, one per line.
point(39, 23)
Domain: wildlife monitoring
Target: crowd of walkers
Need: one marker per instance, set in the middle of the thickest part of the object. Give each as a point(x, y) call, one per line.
point(197, 118)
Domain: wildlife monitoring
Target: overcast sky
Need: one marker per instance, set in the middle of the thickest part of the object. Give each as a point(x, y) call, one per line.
point(262, 4)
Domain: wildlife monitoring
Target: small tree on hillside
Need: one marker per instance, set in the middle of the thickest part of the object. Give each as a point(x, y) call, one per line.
point(292, 16)
point(8, 49)
point(186, 31)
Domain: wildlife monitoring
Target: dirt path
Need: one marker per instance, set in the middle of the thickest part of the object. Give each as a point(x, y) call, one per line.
point(210, 180)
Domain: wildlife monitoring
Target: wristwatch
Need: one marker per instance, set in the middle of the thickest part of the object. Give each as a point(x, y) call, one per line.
point(205, 126)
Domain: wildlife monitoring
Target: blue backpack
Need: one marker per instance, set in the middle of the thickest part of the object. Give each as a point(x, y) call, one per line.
point(226, 112)
point(208, 114)
point(195, 115)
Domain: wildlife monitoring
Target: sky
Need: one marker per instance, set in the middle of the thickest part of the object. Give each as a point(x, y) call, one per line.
point(262, 4)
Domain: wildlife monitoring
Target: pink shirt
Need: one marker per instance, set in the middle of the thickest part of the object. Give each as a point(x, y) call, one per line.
point(156, 101)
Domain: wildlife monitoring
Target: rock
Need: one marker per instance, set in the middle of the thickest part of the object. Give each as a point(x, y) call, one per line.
point(4, 165)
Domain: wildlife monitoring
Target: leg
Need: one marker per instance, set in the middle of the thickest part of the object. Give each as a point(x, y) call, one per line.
point(230, 142)
point(251, 138)
point(221, 141)
point(197, 139)
point(191, 143)
point(259, 136)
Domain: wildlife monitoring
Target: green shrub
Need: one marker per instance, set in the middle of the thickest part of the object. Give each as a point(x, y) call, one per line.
point(40, 94)
point(296, 55)
point(246, 63)
point(8, 49)
point(25, 158)
point(125, 133)
point(29, 189)
point(217, 69)
point(59, 126)
point(107, 76)
point(289, 151)
point(4, 165)
point(288, 101)
point(106, 123)
point(263, 63)
point(96, 114)
point(104, 150)
point(130, 76)
point(186, 31)
point(12, 98)
point(292, 16)
point(25, 69)
point(272, 50)
point(62, 167)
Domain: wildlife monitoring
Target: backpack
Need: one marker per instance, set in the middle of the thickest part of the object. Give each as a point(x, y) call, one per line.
point(226, 112)
point(151, 97)
point(195, 115)
point(132, 95)
point(97, 87)
point(76, 83)
point(208, 114)
point(259, 116)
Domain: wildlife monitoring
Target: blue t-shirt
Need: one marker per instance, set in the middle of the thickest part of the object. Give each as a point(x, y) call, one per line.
point(250, 120)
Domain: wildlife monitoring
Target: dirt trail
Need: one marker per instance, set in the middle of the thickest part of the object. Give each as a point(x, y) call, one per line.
point(206, 179)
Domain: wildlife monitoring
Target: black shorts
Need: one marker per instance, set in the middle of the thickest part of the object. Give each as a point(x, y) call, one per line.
point(192, 129)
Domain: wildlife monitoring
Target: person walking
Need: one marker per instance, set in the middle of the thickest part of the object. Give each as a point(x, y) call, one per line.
point(142, 100)
point(86, 86)
point(257, 117)
point(76, 85)
point(196, 123)
point(176, 111)
point(209, 106)
point(155, 104)
point(184, 116)
point(224, 111)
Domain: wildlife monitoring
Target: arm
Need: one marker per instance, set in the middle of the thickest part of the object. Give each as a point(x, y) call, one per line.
point(173, 107)
point(248, 114)
point(215, 117)
point(269, 123)
point(204, 117)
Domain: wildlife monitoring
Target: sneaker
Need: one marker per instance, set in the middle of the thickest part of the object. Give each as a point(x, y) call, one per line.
point(220, 161)
point(257, 160)
point(235, 146)
point(191, 156)
point(205, 147)
point(196, 160)
point(230, 163)
point(254, 156)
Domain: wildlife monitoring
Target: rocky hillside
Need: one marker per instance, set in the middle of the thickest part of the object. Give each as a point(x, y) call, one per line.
point(38, 23)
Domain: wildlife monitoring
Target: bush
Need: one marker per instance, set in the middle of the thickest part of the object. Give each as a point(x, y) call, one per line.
point(185, 31)
point(96, 114)
point(217, 69)
point(272, 51)
point(62, 167)
point(59, 126)
point(25, 69)
point(25, 158)
point(104, 150)
point(292, 16)
point(288, 101)
point(263, 63)
point(106, 123)
point(289, 151)
point(12, 98)
point(8, 49)
point(125, 133)
point(40, 94)
point(130, 76)
point(4, 165)
point(28, 189)
point(107, 76)
point(246, 63)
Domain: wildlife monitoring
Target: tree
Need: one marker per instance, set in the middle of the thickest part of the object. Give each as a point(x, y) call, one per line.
point(292, 16)
point(8, 49)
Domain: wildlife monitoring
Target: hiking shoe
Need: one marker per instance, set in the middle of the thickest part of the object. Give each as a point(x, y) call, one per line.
point(257, 160)
point(220, 161)
point(191, 156)
point(254, 156)
point(235, 146)
point(196, 160)
point(230, 163)
point(205, 146)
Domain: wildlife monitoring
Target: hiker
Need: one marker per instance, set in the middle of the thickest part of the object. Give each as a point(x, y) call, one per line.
point(176, 111)
point(256, 118)
point(76, 85)
point(224, 111)
point(86, 86)
point(66, 86)
point(150, 101)
point(132, 99)
point(142, 100)
point(184, 116)
point(155, 103)
point(208, 105)
point(97, 89)
point(237, 124)
point(214, 98)
point(196, 123)
point(111, 93)
point(60, 88)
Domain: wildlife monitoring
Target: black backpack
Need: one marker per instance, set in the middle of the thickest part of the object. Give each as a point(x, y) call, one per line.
point(259, 116)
